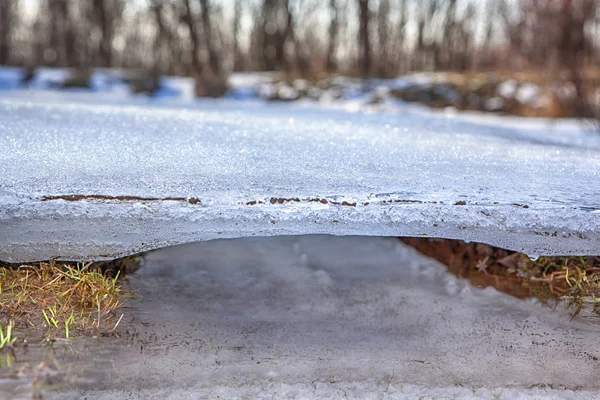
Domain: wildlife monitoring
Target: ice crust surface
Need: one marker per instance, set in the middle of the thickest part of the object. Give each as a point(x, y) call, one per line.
point(148, 174)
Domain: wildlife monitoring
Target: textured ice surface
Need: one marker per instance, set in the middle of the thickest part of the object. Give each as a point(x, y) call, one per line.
point(162, 173)
point(335, 318)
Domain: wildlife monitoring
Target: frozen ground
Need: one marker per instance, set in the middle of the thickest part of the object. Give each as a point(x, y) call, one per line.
point(336, 318)
point(86, 176)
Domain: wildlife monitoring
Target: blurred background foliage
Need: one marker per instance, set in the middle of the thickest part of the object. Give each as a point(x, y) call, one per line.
point(552, 44)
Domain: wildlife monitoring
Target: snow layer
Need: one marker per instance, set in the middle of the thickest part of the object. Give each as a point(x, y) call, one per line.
point(146, 174)
point(334, 318)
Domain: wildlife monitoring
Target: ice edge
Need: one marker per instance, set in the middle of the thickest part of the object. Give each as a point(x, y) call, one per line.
point(79, 227)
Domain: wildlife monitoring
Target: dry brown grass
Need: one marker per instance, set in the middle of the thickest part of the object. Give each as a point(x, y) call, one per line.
point(559, 98)
point(63, 299)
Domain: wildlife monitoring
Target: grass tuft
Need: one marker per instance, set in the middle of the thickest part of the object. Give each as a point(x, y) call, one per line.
point(6, 338)
point(574, 280)
point(62, 299)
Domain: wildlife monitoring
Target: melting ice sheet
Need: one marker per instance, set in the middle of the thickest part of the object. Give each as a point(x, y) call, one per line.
point(87, 178)
point(335, 318)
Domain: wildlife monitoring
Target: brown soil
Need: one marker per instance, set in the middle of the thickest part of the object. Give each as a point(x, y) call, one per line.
point(574, 280)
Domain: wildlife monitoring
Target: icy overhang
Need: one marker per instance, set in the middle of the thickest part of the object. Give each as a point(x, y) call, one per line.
point(84, 179)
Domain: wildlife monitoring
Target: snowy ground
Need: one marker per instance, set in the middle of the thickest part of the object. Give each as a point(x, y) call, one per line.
point(339, 318)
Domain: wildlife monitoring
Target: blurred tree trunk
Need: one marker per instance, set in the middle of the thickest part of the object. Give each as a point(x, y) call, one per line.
point(7, 16)
point(71, 51)
point(105, 47)
point(302, 54)
point(214, 59)
point(468, 48)
point(107, 15)
point(572, 48)
point(399, 44)
point(276, 21)
point(419, 51)
point(383, 33)
point(210, 77)
point(483, 59)
point(363, 37)
point(188, 19)
point(60, 41)
point(449, 37)
point(238, 60)
point(334, 24)
point(282, 36)
point(157, 12)
point(269, 30)
point(434, 48)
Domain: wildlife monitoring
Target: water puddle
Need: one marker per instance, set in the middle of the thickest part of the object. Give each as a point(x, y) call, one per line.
point(321, 317)
point(37, 368)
